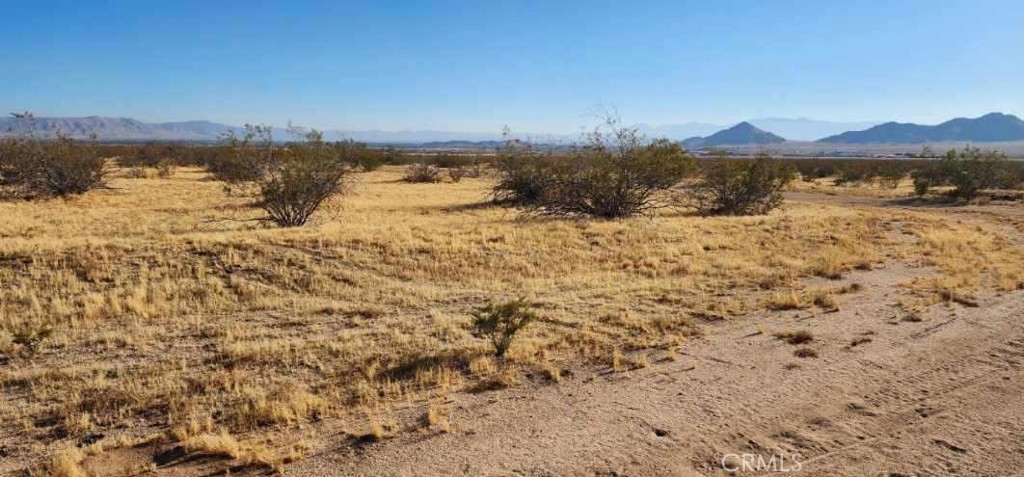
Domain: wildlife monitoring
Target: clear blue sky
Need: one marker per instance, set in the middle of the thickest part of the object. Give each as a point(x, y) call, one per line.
point(537, 66)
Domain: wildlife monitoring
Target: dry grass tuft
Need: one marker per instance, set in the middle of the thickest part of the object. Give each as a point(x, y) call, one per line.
point(795, 337)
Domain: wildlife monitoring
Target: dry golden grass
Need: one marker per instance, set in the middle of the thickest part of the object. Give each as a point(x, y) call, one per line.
point(172, 312)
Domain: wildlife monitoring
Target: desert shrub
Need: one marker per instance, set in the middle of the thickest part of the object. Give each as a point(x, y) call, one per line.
point(11, 155)
point(926, 178)
point(523, 173)
point(300, 180)
point(741, 187)
point(457, 173)
point(422, 172)
point(244, 159)
point(61, 167)
point(165, 169)
point(394, 156)
point(30, 335)
point(359, 155)
point(969, 172)
point(1013, 178)
point(890, 174)
point(147, 155)
point(616, 181)
point(500, 323)
point(615, 173)
point(449, 161)
point(58, 167)
point(854, 173)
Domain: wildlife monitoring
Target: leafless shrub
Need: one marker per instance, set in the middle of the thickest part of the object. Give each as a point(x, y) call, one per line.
point(457, 173)
point(422, 172)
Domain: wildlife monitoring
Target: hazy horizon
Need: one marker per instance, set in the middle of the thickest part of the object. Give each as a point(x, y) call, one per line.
point(544, 68)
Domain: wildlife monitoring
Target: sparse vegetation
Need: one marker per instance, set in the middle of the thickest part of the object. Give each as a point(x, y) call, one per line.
point(500, 323)
point(294, 187)
point(795, 337)
point(969, 172)
point(805, 353)
point(52, 168)
point(422, 172)
point(616, 173)
point(742, 187)
point(264, 333)
point(523, 174)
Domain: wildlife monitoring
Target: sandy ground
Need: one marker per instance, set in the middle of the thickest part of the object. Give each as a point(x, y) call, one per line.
point(938, 394)
point(889, 393)
point(943, 396)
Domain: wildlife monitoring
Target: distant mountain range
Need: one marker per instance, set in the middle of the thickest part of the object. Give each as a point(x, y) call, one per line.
point(742, 134)
point(988, 128)
point(799, 129)
point(128, 129)
point(992, 127)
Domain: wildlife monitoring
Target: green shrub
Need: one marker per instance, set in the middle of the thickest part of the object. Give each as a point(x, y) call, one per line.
point(524, 173)
point(616, 173)
point(972, 170)
point(244, 159)
point(890, 174)
point(741, 187)
point(63, 167)
point(303, 177)
point(969, 172)
point(500, 323)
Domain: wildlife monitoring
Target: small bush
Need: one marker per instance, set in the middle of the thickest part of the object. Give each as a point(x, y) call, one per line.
point(30, 335)
point(294, 187)
point(972, 170)
point(61, 167)
point(795, 337)
point(449, 161)
point(523, 174)
point(358, 155)
point(616, 173)
point(741, 187)
point(422, 172)
point(969, 172)
point(805, 353)
point(500, 323)
point(244, 159)
point(890, 174)
point(148, 155)
point(165, 169)
point(457, 173)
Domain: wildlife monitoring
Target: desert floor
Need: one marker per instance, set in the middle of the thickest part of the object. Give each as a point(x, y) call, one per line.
point(855, 331)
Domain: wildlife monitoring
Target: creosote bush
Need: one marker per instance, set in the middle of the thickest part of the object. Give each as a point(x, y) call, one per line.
point(244, 159)
point(500, 323)
point(422, 172)
point(304, 176)
point(616, 173)
point(969, 171)
point(741, 187)
point(523, 174)
point(457, 173)
point(60, 167)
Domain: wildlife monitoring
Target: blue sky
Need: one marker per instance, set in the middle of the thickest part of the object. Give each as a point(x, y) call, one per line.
point(538, 66)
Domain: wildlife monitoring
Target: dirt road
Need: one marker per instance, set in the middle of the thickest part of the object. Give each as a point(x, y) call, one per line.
point(940, 396)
